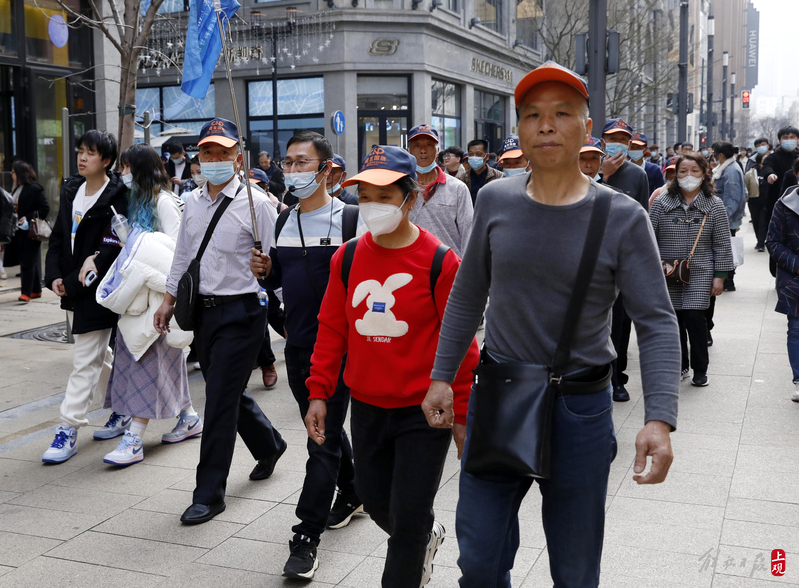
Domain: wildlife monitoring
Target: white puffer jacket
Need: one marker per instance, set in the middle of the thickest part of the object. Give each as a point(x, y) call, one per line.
point(141, 291)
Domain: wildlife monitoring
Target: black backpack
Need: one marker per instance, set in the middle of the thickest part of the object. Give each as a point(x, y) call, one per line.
point(349, 222)
point(435, 268)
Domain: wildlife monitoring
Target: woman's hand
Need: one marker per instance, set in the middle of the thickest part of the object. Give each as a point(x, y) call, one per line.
point(718, 287)
point(164, 314)
point(87, 266)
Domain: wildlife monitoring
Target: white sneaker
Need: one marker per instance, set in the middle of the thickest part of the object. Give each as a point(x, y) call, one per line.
point(3, 276)
point(64, 446)
point(130, 450)
point(191, 426)
point(795, 395)
point(686, 373)
point(437, 535)
point(197, 365)
point(117, 425)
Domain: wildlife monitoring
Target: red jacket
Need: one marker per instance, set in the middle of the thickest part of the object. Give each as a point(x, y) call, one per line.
point(388, 328)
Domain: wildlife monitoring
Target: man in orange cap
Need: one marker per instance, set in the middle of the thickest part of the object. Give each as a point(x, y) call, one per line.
point(528, 240)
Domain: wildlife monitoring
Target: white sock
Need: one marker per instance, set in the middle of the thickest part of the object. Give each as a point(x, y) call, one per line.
point(188, 412)
point(137, 428)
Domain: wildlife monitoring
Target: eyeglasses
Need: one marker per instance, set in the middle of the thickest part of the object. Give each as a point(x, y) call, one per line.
point(301, 163)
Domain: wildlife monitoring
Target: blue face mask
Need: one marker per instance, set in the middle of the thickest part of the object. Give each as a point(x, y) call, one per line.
point(612, 149)
point(636, 155)
point(426, 170)
point(788, 144)
point(513, 172)
point(127, 179)
point(762, 149)
point(476, 162)
point(217, 172)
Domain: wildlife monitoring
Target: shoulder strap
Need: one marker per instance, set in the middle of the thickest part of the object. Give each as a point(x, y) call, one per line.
point(435, 269)
point(281, 221)
point(585, 272)
point(346, 262)
point(214, 221)
point(349, 222)
point(704, 220)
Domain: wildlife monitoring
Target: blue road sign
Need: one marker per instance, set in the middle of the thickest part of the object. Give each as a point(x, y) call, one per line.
point(337, 122)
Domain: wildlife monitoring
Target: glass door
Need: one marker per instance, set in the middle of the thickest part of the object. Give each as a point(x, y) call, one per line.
point(381, 129)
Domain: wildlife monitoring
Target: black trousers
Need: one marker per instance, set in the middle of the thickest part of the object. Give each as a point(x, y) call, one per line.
point(399, 459)
point(330, 464)
point(276, 318)
point(756, 210)
point(30, 266)
point(228, 337)
point(620, 329)
point(693, 329)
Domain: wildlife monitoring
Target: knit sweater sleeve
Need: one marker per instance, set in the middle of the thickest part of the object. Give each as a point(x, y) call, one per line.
point(465, 216)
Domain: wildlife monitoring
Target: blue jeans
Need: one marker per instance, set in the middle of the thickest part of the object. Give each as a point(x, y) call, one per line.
point(573, 510)
point(793, 346)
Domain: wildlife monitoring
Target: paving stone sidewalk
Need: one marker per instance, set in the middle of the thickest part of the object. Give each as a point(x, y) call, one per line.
point(730, 498)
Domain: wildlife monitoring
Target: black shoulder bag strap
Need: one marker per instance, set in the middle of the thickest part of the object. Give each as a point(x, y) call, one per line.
point(349, 222)
point(212, 225)
point(435, 270)
point(281, 221)
point(585, 272)
point(346, 261)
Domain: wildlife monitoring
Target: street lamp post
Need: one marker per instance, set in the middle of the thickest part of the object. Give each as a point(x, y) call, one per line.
point(597, 51)
point(682, 117)
point(732, 109)
point(655, 61)
point(725, 64)
point(711, 28)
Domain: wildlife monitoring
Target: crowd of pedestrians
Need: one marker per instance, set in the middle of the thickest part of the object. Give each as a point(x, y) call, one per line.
point(379, 281)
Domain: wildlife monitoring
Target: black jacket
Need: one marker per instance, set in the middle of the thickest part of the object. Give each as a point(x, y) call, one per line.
point(277, 183)
point(32, 204)
point(93, 234)
point(186, 175)
point(778, 163)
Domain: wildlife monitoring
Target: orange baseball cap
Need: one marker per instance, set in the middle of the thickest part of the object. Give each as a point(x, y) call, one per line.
point(383, 166)
point(593, 145)
point(550, 72)
point(221, 131)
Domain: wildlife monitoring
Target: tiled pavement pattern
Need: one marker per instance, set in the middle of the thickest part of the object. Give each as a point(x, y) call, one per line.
point(731, 497)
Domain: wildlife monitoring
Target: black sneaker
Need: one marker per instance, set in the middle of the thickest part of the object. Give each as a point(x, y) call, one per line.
point(709, 339)
point(700, 380)
point(760, 248)
point(620, 394)
point(343, 510)
point(302, 562)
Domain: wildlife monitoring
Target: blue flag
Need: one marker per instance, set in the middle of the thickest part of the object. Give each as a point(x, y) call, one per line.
point(203, 44)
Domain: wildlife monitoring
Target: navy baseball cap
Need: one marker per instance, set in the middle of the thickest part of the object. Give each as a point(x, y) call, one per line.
point(338, 161)
point(549, 72)
point(510, 148)
point(593, 144)
point(672, 163)
point(423, 130)
point(639, 138)
point(258, 175)
point(616, 125)
point(383, 166)
point(221, 131)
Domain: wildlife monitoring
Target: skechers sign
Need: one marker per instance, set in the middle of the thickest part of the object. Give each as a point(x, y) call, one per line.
point(491, 70)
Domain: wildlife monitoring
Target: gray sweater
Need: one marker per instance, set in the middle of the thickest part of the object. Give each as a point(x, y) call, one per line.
point(525, 256)
point(447, 214)
point(632, 180)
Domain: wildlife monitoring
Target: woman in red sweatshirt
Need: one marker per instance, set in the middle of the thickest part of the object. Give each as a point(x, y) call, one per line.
point(385, 314)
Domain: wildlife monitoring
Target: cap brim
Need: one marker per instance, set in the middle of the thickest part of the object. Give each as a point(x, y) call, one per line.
point(611, 131)
point(637, 142)
point(432, 136)
point(255, 180)
point(224, 141)
point(378, 177)
point(512, 154)
point(336, 165)
point(590, 148)
point(668, 167)
point(548, 74)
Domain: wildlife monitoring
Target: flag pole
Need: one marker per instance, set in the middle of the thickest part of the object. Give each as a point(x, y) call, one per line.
point(246, 170)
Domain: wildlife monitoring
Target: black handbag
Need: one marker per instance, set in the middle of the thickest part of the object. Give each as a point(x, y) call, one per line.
point(511, 429)
point(189, 285)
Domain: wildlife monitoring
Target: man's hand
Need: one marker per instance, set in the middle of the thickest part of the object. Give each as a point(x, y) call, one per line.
point(315, 420)
point(437, 405)
point(718, 287)
point(459, 434)
point(58, 287)
point(87, 266)
point(177, 180)
point(612, 164)
point(164, 314)
point(653, 440)
point(772, 178)
point(260, 264)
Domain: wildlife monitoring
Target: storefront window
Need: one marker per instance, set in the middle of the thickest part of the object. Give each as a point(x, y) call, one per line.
point(49, 40)
point(527, 11)
point(489, 118)
point(300, 107)
point(173, 112)
point(383, 112)
point(446, 100)
point(8, 44)
point(382, 93)
point(490, 14)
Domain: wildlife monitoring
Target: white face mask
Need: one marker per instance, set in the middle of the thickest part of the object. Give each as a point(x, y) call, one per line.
point(514, 171)
point(380, 218)
point(127, 179)
point(689, 183)
point(301, 184)
point(199, 180)
point(597, 178)
point(177, 160)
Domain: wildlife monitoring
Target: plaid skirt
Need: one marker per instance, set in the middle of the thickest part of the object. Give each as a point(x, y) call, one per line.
point(155, 387)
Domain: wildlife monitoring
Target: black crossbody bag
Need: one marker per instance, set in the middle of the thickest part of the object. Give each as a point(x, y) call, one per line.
point(514, 402)
point(189, 284)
